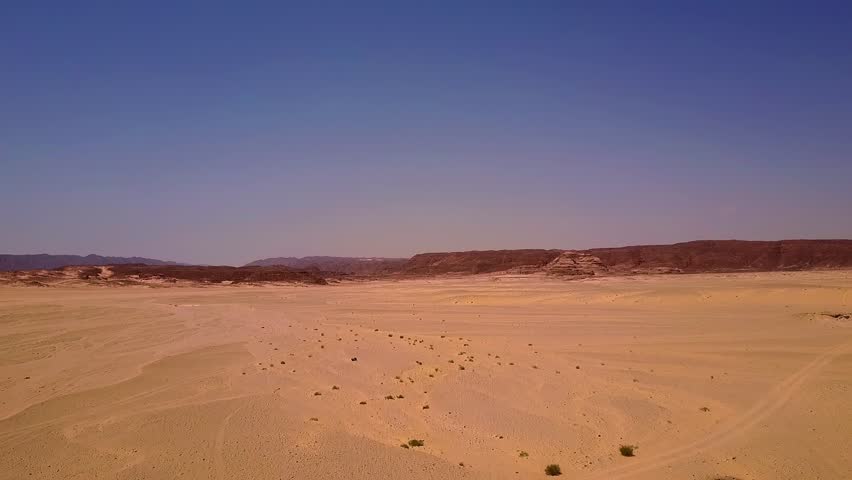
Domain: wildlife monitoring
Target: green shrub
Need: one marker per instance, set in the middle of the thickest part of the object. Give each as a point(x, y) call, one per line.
point(553, 470)
point(627, 450)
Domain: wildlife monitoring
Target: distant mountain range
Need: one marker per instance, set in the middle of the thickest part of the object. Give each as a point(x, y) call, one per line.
point(702, 256)
point(44, 261)
point(347, 265)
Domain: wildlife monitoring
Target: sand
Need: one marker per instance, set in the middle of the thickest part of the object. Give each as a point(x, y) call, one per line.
point(710, 376)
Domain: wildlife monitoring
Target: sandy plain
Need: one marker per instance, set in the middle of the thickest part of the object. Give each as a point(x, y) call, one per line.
point(742, 376)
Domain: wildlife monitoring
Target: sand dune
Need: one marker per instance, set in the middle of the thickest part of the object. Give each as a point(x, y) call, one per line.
point(745, 376)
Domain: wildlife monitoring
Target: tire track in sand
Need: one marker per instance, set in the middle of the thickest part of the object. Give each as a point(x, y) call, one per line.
point(776, 398)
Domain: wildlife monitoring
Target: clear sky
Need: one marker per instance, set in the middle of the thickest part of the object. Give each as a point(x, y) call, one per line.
point(194, 132)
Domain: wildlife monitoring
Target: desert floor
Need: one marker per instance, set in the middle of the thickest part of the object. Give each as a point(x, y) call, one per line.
point(711, 376)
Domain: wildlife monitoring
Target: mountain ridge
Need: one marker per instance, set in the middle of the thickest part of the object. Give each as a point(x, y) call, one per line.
point(697, 256)
point(45, 261)
point(346, 265)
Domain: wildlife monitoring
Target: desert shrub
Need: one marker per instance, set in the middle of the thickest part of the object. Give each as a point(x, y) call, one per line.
point(416, 443)
point(523, 454)
point(627, 450)
point(553, 470)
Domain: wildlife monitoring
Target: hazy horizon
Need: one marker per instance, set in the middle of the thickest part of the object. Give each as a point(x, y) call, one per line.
point(214, 135)
point(403, 256)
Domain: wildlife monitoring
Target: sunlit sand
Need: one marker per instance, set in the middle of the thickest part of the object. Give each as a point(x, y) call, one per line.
point(742, 376)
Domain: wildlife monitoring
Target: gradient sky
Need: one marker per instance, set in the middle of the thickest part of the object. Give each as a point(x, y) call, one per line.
point(201, 133)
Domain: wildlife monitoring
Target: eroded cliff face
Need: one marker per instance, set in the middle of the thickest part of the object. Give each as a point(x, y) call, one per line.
point(475, 262)
point(704, 256)
point(574, 263)
point(708, 256)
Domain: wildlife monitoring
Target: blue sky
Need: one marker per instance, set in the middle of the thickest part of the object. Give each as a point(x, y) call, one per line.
point(222, 134)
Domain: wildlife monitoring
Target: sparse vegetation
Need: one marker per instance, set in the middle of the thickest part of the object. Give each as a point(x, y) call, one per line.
point(523, 454)
point(553, 470)
point(415, 443)
point(705, 409)
point(404, 445)
point(425, 407)
point(335, 387)
point(362, 403)
point(316, 394)
point(314, 419)
point(628, 450)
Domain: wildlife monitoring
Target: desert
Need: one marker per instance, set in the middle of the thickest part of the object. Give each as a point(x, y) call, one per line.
point(709, 376)
point(482, 240)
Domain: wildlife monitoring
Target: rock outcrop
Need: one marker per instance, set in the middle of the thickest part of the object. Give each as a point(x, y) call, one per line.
point(572, 263)
point(484, 261)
